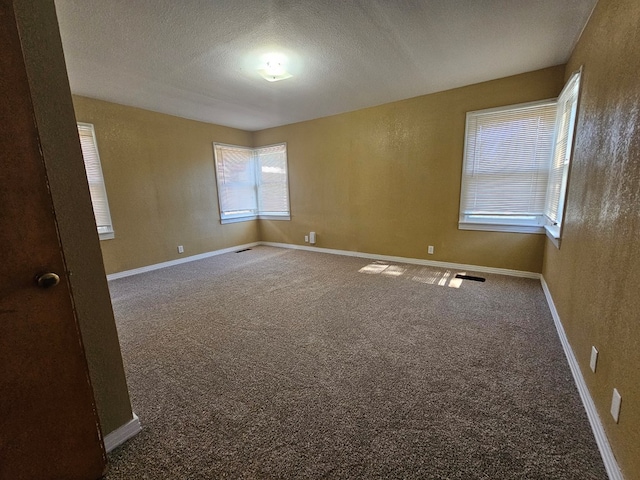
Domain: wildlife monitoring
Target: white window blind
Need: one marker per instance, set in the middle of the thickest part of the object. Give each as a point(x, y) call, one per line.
point(565, 126)
point(235, 171)
point(252, 183)
point(506, 167)
point(97, 188)
point(273, 185)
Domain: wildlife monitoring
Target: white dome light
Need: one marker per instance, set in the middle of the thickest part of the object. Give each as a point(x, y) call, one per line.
point(273, 67)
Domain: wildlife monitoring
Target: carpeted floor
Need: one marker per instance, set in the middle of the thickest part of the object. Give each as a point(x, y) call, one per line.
point(275, 363)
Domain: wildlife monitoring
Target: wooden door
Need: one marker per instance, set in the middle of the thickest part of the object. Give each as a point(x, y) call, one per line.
point(48, 423)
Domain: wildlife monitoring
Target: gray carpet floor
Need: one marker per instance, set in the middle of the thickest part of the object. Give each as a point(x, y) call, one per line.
point(275, 363)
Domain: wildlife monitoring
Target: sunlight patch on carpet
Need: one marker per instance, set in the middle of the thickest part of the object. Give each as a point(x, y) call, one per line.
point(425, 275)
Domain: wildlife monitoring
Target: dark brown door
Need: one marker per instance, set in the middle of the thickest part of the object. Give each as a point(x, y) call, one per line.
point(48, 424)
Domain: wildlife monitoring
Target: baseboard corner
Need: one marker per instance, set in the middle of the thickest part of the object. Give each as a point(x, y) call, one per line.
point(122, 434)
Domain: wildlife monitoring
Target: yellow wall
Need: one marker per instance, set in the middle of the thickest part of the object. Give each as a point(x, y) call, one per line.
point(595, 275)
point(386, 179)
point(160, 179)
point(382, 180)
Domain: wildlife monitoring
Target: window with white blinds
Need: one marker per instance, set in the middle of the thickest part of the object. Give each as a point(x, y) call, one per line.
point(95, 179)
point(252, 183)
point(273, 184)
point(506, 167)
point(561, 157)
point(235, 171)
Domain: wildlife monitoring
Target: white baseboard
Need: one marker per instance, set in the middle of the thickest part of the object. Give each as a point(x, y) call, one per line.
point(349, 253)
point(178, 261)
point(122, 434)
point(416, 261)
point(610, 463)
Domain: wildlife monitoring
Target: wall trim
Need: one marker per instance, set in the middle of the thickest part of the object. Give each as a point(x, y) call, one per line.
point(416, 261)
point(610, 463)
point(122, 434)
point(178, 261)
point(348, 253)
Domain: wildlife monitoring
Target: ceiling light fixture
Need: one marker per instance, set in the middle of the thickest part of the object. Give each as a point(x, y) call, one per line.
point(273, 67)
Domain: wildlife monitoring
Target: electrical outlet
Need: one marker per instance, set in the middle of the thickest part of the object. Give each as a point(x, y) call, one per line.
point(180, 249)
point(306, 238)
point(615, 404)
point(430, 250)
point(594, 359)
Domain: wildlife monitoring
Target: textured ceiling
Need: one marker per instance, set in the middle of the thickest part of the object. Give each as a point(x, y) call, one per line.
point(199, 59)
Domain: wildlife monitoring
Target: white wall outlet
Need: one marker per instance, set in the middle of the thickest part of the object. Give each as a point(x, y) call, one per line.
point(306, 238)
point(615, 404)
point(312, 237)
point(430, 250)
point(180, 249)
point(594, 359)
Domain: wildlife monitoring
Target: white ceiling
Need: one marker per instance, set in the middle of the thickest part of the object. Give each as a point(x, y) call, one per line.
point(199, 59)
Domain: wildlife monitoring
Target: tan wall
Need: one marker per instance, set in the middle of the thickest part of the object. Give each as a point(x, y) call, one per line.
point(594, 277)
point(160, 179)
point(386, 179)
point(76, 226)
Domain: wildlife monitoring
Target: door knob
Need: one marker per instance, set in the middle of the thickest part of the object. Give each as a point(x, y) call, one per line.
point(47, 280)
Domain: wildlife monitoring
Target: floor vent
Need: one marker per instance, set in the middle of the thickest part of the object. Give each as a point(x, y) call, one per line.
point(470, 277)
point(247, 249)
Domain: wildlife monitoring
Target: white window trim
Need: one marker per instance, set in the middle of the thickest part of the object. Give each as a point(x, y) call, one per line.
point(495, 223)
point(227, 219)
point(554, 227)
point(273, 216)
point(105, 232)
point(553, 234)
point(246, 218)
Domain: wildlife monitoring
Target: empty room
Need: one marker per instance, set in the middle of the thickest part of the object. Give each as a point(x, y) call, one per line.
point(320, 239)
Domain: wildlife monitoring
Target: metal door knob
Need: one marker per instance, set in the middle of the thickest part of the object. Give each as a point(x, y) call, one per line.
point(47, 280)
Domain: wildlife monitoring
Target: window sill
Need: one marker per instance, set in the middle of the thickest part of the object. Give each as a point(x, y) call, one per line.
point(274, 217)
point(496, 227)
point(106, 235)
point(238, 219)
point(255, 217)
point(553, 234)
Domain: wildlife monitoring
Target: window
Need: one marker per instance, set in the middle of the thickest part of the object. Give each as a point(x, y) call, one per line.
point(506, 167)
point(273, 185)
point(235, 171)
point(252, 182)
point(559, 174)
point(96, 180)
point(516, 164)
